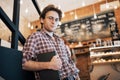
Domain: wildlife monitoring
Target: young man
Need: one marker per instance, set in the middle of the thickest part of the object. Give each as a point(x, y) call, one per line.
point(44, 41)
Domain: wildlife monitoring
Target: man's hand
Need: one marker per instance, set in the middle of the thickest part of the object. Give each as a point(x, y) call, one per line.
point(55, 63)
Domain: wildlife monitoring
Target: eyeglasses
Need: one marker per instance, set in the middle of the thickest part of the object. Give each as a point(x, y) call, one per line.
point(52, 18)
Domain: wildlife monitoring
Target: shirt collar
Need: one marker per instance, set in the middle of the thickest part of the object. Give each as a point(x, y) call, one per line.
point(53, 35)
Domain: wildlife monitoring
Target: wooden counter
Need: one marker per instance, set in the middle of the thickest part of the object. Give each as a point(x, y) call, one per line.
point(82, 59)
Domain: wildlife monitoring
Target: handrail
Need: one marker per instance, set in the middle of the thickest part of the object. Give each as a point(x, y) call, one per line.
point(36, 6)
point(10, 25)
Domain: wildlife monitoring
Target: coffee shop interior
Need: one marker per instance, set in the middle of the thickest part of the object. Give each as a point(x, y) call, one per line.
point(91, 27)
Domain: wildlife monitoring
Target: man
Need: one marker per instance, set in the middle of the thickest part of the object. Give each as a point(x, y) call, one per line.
point(44, 41)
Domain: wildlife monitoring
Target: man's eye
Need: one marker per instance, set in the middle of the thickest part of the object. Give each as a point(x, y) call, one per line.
point(52, 18)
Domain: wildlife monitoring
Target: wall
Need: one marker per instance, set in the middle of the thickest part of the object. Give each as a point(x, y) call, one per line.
point(88, 11)
point(84, 12)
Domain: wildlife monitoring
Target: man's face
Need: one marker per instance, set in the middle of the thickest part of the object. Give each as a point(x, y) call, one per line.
point(51, 21)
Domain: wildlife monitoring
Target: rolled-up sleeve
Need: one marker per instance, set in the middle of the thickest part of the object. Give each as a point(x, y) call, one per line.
point(29, 49)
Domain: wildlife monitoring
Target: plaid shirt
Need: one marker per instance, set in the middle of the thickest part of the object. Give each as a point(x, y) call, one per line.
point(40, 42)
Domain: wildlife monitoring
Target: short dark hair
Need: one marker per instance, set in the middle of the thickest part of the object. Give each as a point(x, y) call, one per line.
point(51, 8)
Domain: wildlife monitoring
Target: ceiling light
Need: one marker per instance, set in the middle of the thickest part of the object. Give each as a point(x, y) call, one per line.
point(75, 15)
point(83, 3)
point(32, 27)
point(107, 6)
point(63, 14)
point(29, 24)
point(26, 10)
point(59, 7)
point(21, 1)
point(95, 16)
point(115, 7)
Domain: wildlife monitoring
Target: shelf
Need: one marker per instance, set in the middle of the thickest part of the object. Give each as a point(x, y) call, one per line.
point(106, 62)
point(98, 52)
point(95, 48)
point(100, 55)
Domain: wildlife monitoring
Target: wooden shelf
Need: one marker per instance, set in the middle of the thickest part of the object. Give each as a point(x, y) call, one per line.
point(106, 62)
point(103, 47)
point(100, 55)
point(98, 52)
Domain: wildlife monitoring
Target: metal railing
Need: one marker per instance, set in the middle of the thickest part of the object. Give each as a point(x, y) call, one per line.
point(13, 26)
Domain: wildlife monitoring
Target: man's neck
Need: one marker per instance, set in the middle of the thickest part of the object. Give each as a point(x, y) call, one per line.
point(49, 33)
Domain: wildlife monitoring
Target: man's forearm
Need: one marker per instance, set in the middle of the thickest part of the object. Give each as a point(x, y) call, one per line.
point(36, 66)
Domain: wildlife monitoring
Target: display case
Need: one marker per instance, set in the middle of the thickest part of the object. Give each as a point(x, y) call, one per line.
point(105, 54)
